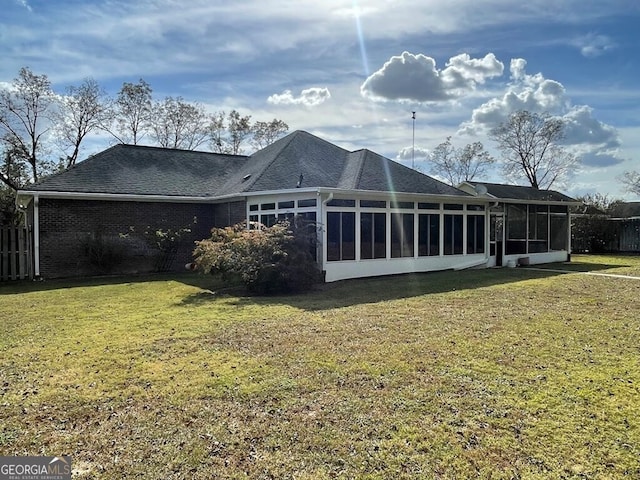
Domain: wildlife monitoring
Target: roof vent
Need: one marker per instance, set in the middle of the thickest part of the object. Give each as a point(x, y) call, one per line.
point(246, 177)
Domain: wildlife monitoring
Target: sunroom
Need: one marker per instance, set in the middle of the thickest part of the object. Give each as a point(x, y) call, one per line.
point(526, 225)
point(366, 233)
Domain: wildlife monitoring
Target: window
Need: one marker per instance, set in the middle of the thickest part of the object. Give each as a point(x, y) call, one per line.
point(373, 235)
point(401, 235)
point(453, 206)
point(341, 233)
point(538, 228)
point(475, 234)
point(373, 204)
point(288, 204)
point(288, 217)
point(307, 220)
point(453, 239)
point(308, 217)
point(516, 224)
point(268, 206)
point(307, 203)
point(341, 203)
point(268, 220)
point(558, 209)
point(253, 208)
point(404, 205)
point(429, 206)
point(559, 231)
point(428, 235)
point(475, 208)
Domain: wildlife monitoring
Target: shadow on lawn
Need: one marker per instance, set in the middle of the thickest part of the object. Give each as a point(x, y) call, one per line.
point(379, 289)
point(23, 286)
point(331, 295)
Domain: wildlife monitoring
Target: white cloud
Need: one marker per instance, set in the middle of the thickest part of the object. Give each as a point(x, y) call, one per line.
point(25, 4)
point(593, 45)
point(600, 159)
point(592, 140)
point(309, 97)
point(527, 92)
point(582, 128)
point(410, 77)
point(406, 154)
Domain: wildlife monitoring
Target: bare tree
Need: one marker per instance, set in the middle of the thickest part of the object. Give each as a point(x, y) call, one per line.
point(217, 133)
point(631, 181)
point(228, 132)
point(239, 129)
point(25, 110)
point(83, 110)
point(14, 171)
point(530, 147)
point(179, 124)
point(458, 165)
point(265, 133)
point(132, 112)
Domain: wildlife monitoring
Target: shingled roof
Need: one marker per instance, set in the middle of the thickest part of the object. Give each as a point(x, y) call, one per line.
point(298, 159)
point(142, 170)
point(519, 192)
point(625, 210)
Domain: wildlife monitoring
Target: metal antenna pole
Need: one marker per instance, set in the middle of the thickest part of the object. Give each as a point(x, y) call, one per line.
point(413, 145)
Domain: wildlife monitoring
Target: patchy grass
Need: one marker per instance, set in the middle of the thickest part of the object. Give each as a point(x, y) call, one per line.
point(508, 373)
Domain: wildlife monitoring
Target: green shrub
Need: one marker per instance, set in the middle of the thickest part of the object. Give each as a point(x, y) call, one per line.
point(266, 260)
point(164, 241)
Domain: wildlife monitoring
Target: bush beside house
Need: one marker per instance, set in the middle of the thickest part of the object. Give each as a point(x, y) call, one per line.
point(266, 260)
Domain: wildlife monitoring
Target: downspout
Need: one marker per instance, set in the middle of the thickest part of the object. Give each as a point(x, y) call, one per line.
point(36, 237)
point(569, 246)
point(36, 231)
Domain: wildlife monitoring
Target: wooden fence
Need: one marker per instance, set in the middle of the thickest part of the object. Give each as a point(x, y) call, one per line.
point(15, 253)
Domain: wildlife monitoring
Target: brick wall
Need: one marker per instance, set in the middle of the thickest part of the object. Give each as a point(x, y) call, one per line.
point(67, 225)
point(226, 214)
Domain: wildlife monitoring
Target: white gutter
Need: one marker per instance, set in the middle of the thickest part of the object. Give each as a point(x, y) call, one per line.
point(204, 199)
point(119, 196)
point(538, 202)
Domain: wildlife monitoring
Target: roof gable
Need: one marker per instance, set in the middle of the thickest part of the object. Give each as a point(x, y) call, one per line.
point(302, 159)
point(380, 173)
point(281, 164)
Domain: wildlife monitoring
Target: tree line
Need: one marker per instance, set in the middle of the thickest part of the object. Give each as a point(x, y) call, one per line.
point(42, 131)
point(531, 152)
point(35, 122)
point(530, 147)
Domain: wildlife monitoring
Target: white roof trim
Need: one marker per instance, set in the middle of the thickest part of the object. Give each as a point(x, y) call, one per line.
point(213, 199)
point(336, 191)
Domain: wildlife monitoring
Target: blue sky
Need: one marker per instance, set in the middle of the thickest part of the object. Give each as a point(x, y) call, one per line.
point(353, 71)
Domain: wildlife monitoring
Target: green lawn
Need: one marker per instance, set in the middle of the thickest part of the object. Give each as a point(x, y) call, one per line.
point(500, 373)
